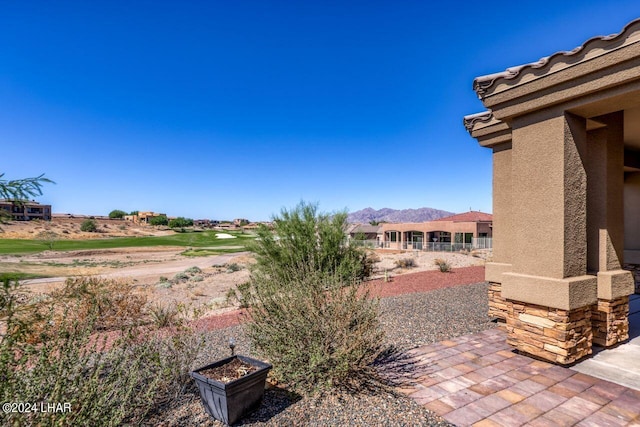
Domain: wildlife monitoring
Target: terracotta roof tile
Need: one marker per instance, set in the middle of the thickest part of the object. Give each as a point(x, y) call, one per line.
point(486, 84)
point(472, 216)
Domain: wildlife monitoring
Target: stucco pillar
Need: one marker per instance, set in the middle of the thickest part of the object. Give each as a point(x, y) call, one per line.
point(501, 232)
point(605, 231)
point(548, 291)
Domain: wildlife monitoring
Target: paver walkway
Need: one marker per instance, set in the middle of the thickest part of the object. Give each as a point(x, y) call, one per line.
point(477, 380)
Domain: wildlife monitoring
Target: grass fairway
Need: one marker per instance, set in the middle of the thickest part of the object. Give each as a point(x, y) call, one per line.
point(204, 239)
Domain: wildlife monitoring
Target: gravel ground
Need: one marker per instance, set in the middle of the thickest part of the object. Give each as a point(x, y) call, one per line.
point(409, 321)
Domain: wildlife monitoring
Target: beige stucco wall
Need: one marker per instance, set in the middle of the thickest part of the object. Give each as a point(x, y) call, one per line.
point(502, 228)
point(632, 217)
point(550, 222)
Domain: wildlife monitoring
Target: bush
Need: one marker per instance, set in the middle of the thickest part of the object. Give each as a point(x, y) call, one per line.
point(193, 270)
point(233, 267)
point(241, 294)
point(181, 276)
point(164, 315)
point(180, 222)
point(114, 379)
point(316, 330)
point(117, 214)
point(106, 304)
point(309, 315)
point(89, 225)
point(159, 220)
point(443, 265)
point(405, 263)
point(304, 236)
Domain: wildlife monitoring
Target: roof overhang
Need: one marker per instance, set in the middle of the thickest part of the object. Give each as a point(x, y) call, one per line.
point(601, 74)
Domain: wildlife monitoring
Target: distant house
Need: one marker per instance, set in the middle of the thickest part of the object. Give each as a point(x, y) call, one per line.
point(240, 221)
point(205, 223)
point(142, 217)
point(26, 211)
point(364, 232)
point(457, 230)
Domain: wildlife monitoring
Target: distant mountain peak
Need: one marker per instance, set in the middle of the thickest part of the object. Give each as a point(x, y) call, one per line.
point(367, 215)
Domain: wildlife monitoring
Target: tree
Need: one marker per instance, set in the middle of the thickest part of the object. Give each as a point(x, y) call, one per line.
point(117, 214)
point(180, 222)
point(19, 190)
point(89, 226)
point(134, 212)
point(159, 220)
point(48, 238)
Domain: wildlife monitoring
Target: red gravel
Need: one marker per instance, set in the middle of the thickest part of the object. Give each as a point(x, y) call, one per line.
point(409, 283)
point(426, 281)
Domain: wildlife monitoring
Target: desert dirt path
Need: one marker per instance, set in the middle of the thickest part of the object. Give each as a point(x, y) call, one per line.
point(165, 268)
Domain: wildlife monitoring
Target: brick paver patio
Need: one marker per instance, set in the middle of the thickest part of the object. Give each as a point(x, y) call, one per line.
point(477, 380)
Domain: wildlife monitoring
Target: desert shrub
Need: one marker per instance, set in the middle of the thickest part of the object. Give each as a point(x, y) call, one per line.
point(163, 315)
point(302, 236)
point(113, 304)
point(163, 279)
point(89, 225)
point(233, 267)
point(317, 330)
point(181, 276)
point(164, 284)
point(443, 265)
point(240, 294)
point(193, 270)
point(405, 262)
point(309, 315)
point(108, 379)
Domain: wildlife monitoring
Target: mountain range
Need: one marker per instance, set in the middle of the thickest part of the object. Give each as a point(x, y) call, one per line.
point(366, 215)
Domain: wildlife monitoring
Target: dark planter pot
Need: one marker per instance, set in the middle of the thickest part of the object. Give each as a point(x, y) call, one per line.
point(228, 402)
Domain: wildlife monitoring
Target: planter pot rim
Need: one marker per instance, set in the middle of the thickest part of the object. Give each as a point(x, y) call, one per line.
point(219, 384)
point(228, 402)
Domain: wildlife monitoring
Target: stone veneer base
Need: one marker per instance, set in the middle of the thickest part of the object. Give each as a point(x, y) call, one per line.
point(497, 304)
point(610, 321)
point(556, 335)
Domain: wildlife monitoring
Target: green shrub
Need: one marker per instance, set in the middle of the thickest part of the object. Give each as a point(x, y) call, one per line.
point(89, 225)
point(309, 314)
point(302, 236)
point(117, 214)
point(197, 278)
point(159, 220)
point(180, 222)
point(443, 265)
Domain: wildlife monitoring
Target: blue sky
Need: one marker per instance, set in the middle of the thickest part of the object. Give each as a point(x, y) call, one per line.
point(226, 109)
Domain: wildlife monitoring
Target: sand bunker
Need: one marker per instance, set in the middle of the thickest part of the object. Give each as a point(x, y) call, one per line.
point(224, 236)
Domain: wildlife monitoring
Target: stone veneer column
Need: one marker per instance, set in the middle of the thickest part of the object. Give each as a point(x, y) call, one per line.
point(605, 223)
point(549, 295)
